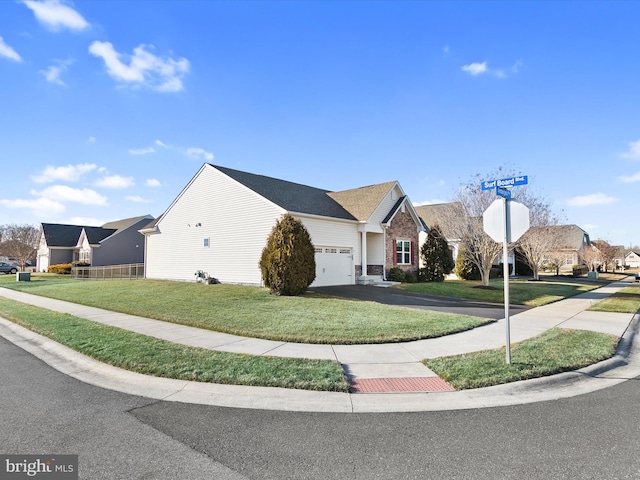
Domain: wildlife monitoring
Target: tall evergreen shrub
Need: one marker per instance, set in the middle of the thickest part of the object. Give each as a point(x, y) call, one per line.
point(288, 262)
point(437, 258)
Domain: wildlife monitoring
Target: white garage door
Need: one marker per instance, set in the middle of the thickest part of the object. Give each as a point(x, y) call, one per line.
point(334, 266)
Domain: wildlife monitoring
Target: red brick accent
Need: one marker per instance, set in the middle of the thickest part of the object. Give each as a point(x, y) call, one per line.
point(402, 227)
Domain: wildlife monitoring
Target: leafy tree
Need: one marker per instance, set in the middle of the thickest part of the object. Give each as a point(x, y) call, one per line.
point(288, 262)
point(19, 242)
point(437, 256)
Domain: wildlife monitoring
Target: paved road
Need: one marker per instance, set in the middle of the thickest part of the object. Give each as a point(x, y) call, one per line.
point(393, 296)
point(593, 436)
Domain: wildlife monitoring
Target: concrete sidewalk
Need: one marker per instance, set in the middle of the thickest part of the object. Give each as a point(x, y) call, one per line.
point(394, 367)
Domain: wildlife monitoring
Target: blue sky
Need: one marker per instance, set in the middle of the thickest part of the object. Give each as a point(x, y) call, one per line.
point(108, 108)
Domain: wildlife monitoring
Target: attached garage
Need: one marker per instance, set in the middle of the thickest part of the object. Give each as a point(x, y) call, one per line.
point(334, 266)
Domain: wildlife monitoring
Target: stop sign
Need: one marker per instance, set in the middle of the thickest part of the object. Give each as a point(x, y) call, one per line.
point(517, 218)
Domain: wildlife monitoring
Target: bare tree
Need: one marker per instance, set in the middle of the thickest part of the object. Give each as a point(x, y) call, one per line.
point(464, 220)
point(608, 253)
point(536, 244)
point(19, 242)
point(592, 257)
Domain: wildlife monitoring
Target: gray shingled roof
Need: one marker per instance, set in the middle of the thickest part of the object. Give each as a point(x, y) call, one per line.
point(61, 235)
point(569, 236)
point(293, 197)
point(437, 214)
point(96, 234)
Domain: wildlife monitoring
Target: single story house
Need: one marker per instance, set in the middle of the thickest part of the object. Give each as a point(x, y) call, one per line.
point(221, 220)
point(114, 243)
point(571, 240)
point(632, 259)
point(438, 214)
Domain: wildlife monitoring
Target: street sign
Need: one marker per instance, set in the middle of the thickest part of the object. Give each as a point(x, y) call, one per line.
point(517, 216)
point(506, 221)
point(505, 182)
point(503, 192)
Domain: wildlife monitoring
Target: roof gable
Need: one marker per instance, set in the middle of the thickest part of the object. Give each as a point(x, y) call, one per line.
point(61, 235)
point(361, 202)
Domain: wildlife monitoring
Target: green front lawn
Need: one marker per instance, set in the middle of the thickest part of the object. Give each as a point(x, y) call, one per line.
point(252, 311)
point(626, 300)
point(521, 291)
point(151, 356)
point(553, 351)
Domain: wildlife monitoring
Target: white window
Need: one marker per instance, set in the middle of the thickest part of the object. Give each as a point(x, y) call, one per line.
point(84, 256)
point(568, 259)
point(403, 252)
point(206, 242)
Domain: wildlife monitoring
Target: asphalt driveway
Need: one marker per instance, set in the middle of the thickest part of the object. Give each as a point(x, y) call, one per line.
point(394, 296)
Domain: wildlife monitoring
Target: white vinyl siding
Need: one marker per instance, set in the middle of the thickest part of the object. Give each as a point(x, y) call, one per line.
point(236, 220)
point(385, 206)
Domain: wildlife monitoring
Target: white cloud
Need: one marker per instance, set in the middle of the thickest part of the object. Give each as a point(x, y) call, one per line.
point(634, 151)
point(41, 206)
point(445, 50)
point(592, 199)
point(115, 181)
point(56, 16)
point(8, 52)
point(630, 178)
point(91, 140)
point(68, 173)
point(199, 153)
point(152, 182)
point(64, 193)
point(88, 221)
point(141, 151)
point(137, 199)
point(53, 72)
point(144, 68)
point(436, 201)
point(475, 68)
point(161, 144)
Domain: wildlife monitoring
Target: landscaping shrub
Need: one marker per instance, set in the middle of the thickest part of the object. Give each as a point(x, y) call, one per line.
point(61, 268)
point(288, 262)
point(396, 274)
point(437, 256)
point(409, 277)
point(466, 269)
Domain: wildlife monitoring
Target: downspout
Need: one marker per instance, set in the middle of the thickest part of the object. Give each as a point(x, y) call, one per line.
point(384, 252)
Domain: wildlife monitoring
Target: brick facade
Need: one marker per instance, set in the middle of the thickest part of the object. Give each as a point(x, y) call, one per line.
point(402, 227)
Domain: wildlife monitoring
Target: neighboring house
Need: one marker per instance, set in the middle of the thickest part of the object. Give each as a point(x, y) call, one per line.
point(619, 260)
point(632, 259)
point(220, 222)
point(437, 214)
point(571, 241)
point(114, 243)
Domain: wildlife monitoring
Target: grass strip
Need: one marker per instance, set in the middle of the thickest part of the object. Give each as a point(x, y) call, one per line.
point(151, 356)
point(554, 351)
point(521, 292)
point(252, 311)
point(626, 300)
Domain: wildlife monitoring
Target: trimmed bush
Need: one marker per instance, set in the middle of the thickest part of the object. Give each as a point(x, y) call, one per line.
point(61, 268)
point(465, 269)
point(437, 256)
point(288, 261)
point(396, 274)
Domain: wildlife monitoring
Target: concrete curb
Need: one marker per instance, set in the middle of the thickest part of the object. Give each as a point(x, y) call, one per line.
point(623, 366)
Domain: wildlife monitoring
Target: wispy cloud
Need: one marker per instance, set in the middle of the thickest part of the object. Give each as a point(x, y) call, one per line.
point(142, 151)
point(143, 67)
point(633, 152)
point(40, 206)
point(53, 72)
point(57, 16)
point(137, 199)
point(446, 50)
point(67, 173)
point(7, 52)
point(152, 182)
point(64, 193)
point(91, 140)
point(630, 178)
point(475, 68)
point(592, 199)
point(161, 144)
point(481, 68)
point(114, 181)
point(199, 153)
point(89, 221)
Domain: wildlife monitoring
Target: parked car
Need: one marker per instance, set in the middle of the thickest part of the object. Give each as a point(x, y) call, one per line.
point(8, 268)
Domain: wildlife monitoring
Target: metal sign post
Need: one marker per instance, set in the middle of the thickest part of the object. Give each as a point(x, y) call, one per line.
point(505, 221)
